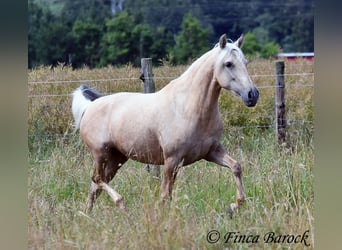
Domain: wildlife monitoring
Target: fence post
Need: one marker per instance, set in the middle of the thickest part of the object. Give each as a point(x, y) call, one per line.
point(147, 75)
point(280, 102)
point(149, 87)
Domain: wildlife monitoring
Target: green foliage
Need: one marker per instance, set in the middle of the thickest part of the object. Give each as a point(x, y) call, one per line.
point(34, 15)
point(191, 42)
point(78, 32)
point(142, 35)
point(270, 50)
point(162, 43)
point(253, 48)
point(86, 39)
point(48, 37)
point(166, 13)
point(117, 41)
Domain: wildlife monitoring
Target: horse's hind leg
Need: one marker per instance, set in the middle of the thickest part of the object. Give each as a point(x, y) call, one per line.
point(94, 192)
point(106, 166)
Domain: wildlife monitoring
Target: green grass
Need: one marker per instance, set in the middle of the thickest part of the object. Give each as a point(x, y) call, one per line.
point(278, 180)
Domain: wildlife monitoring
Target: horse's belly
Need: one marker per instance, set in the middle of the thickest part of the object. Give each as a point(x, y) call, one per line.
point(144, 153)
point(139, 144)
point(148, 158)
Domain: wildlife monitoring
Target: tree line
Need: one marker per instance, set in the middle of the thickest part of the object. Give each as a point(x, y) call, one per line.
point(97, 33)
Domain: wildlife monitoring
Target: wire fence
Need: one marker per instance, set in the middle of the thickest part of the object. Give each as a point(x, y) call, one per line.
point(270, 118)
point(293, 85)
point(155, 77)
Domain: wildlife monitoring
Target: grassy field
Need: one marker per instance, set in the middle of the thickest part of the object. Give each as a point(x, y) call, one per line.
point(278, 179)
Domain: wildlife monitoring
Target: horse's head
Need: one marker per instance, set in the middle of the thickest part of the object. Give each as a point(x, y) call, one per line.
point(231, 71)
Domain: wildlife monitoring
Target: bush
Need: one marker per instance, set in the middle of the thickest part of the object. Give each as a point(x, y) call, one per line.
point(253, 48)
point(269, 50)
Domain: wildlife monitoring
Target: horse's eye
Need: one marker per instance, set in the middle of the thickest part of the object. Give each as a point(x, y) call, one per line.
point(229, 64)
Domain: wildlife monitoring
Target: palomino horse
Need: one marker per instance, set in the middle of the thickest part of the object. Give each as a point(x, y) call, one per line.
point(174, 127)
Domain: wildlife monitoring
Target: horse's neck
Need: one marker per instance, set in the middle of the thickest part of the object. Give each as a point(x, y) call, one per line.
point(200, 89)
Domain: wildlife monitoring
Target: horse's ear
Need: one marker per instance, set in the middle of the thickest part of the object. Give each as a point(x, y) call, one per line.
point(223, 41)
point(239, 42)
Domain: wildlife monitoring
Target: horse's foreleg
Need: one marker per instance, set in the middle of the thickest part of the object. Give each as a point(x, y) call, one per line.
point(167, 183)
point(169, 178)
point(220, 156)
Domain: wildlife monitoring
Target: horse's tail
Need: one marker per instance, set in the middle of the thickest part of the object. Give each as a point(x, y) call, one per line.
point(81, 98)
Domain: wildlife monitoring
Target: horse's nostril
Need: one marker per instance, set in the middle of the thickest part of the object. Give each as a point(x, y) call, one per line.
point(250, 94)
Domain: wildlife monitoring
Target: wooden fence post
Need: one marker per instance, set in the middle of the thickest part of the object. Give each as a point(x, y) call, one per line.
point(149, 87)
point(147, 75)
point(280, 102)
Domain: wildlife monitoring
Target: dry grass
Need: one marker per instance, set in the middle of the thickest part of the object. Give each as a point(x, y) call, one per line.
point(278, 181)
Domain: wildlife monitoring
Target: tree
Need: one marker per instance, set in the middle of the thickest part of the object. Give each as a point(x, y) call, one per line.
point(117, 41)
point(163, 42)
point(48, 37)
point(156, 13)
point(125, 41)
point(270, 49)
point(56, 43)
point(142, 36)
point(253, 48)
point(86, 43)
point(95, 10)
point(191, 42)
point(35, 13)
point(157, 29)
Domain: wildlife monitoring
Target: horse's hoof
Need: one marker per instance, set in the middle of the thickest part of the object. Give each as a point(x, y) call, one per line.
point(122, 207)
point(230, 212)
point(88, 208)
point(120, 204)
point(231, 208)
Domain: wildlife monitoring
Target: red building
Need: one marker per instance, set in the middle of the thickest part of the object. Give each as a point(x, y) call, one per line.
point(294, 56)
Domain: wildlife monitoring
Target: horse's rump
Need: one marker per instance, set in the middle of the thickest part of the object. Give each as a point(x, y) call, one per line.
point(126, 122)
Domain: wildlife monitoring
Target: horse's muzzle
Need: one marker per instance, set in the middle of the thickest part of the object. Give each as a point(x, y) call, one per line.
point(251, 98)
